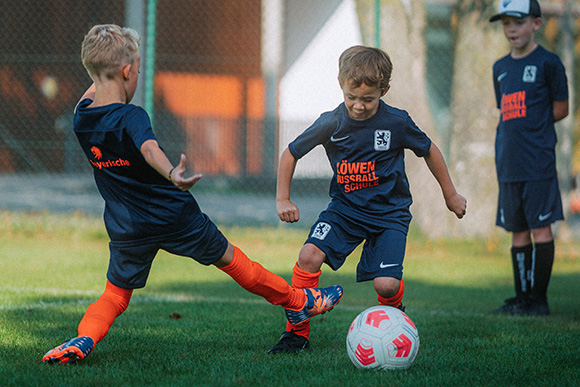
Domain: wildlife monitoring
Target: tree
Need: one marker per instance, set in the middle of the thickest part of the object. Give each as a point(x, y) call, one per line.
point(402, 24)
point(478, 44)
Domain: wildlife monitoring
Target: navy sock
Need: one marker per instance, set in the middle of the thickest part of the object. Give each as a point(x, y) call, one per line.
point(542, 262)
point(521, 263)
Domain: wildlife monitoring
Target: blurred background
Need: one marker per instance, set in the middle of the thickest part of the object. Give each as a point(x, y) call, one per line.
point(230, 83)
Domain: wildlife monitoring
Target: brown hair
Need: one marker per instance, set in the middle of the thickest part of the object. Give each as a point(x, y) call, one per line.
point(368, 65)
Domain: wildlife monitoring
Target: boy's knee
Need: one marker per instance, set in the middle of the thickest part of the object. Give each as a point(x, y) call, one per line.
point(387, 287)
point(311, 258)
point(543, 234)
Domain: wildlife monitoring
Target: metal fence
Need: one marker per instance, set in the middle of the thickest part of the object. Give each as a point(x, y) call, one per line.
point(215, 73)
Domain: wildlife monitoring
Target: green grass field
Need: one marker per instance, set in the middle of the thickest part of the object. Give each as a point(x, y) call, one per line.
point(53, 266)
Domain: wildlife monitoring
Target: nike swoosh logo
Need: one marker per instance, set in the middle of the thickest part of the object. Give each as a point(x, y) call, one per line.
point(501, 76)
point(544, 217)
point(335, 139)
point(383, 266)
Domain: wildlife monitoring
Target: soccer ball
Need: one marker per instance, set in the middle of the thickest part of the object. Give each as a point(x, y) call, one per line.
point(382, 337)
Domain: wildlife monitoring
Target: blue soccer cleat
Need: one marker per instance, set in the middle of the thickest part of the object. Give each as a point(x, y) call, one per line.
point(70, 351)
point(318, 301)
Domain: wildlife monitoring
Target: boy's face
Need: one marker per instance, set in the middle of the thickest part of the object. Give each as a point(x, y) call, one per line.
point(520, 31)
point(361, 102)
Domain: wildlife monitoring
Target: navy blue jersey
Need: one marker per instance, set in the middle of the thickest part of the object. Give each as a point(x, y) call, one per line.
point(140, 204)
point(525, 91)
point(367, 158)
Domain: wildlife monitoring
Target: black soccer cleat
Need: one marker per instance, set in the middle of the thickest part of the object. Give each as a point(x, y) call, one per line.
point(531, 308)
point(510, 305)
point(290, 342)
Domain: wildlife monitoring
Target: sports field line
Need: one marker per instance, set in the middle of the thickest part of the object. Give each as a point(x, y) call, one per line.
point(160, 298)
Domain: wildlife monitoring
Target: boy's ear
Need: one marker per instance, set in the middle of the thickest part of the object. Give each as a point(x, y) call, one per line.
point(126, 70)
point(384, 91)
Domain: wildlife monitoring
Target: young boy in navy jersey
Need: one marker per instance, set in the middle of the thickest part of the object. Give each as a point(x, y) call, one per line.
point(531, 92)
point(147, 203)
point(365, 140)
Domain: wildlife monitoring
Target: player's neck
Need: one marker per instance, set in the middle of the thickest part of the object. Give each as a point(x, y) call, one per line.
point(109, 92)
point(521, 52)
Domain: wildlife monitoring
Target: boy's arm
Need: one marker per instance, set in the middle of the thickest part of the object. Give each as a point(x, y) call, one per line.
point(436, 163)
point(159, 161)
point(560, 110)
point(287, 211)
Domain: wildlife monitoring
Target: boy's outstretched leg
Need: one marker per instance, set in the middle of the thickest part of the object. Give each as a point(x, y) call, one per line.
point(93, 327)
point(295, 339)
point(300, 304)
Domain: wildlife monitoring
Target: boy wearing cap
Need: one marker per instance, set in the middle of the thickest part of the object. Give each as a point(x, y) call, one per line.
point(532, 94)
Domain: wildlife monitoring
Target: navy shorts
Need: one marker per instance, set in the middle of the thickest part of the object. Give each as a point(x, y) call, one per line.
point(528, 205)
point(130, 262)
point(383, 250)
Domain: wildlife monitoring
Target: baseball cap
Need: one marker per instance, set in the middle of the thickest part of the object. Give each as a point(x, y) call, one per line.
point(517, 8)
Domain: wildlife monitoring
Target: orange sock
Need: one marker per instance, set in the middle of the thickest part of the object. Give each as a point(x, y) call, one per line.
point(101, 314)
point(254, 278)
point(302, 279)
point(394, 301)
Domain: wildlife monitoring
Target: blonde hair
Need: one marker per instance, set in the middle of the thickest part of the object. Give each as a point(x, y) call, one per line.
point(107, 48)
point(368, 65)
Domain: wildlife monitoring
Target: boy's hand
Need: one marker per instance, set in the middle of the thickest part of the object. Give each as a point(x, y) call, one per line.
point(457, 204)
point(287, 211)
point(178, 179)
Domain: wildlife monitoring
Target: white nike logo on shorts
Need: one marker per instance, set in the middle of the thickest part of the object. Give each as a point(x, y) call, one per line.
point(384, 266)
point(544, 217)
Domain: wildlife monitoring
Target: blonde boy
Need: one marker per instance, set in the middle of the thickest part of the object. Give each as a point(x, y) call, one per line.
point(147, 203)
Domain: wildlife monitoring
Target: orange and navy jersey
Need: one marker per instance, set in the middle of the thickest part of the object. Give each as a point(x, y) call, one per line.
point(525, 91)
point(140, 204)
point(367, 158)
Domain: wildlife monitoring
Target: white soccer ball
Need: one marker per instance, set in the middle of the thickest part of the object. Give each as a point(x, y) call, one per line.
point(382, 337)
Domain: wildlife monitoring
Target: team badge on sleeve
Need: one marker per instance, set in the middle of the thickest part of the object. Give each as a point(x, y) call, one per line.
point(321, 231)
point(382, 140)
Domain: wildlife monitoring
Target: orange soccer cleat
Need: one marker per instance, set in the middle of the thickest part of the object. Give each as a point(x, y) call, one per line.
point(318, 301)
point(70, 351)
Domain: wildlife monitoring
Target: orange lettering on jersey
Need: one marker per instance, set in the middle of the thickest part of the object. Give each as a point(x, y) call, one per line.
point(109, 163)
point(355, 176)
point(513, 106)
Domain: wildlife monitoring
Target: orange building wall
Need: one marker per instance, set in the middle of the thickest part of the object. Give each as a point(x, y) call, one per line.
point(213, 111)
